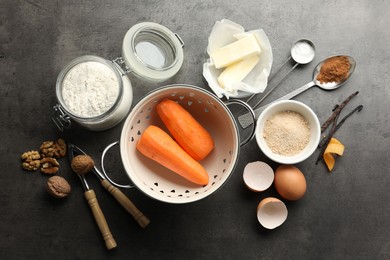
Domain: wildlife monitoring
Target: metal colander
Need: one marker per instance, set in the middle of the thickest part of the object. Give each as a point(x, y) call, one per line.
point(160, 183)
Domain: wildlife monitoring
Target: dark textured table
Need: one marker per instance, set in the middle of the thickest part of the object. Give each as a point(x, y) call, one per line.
point(344, 215)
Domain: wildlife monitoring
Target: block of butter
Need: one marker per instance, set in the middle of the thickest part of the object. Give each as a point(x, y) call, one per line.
point(236, 72)
point(235, 51)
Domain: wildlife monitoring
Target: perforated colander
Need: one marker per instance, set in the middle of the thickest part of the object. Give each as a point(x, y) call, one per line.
point(160, 183)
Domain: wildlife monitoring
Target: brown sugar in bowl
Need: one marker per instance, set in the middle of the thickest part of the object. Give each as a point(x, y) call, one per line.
point(313, 124)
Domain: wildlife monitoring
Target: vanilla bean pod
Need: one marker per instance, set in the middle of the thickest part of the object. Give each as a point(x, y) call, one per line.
point(334, 121)
point(358, 109)
point(337, 111)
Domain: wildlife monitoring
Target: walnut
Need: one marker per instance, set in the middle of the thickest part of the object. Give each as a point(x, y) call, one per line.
point(47, 149)
point(53, 149)
point(60, 148)
point(49, 165)
point(31, 160)
point(82, 164)
point(58, 187)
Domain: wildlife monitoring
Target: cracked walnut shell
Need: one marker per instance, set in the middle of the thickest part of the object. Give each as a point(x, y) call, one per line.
point(49, 165)
point(31, 160)
point(82, 164)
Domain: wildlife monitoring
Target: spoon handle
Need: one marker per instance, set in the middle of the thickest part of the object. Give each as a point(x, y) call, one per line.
point(100, 219)
point(293, 93)
point(126, 203)
point(269, 79)
point(285, 75)
point(246, 120)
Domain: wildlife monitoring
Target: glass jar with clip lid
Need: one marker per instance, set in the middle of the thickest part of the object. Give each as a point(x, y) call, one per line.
point(97, 94)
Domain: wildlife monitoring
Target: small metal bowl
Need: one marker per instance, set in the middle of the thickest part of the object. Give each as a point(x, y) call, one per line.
point(307, 113)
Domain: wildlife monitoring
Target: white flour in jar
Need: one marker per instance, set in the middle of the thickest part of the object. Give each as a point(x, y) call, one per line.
point(90, 89)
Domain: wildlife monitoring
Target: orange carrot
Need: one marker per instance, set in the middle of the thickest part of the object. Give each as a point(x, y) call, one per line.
point(184, 128)
point(157, 145)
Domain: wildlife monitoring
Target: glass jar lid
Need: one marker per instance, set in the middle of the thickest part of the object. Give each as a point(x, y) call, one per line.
point(152, 51)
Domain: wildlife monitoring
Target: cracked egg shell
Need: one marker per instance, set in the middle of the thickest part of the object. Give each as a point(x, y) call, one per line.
point(258, 176)
point(271, 212)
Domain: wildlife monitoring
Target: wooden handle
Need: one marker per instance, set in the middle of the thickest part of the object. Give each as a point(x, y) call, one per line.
point(142, 220)
point(100, 219)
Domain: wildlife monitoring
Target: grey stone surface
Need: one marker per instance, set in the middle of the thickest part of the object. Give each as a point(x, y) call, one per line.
point(344, 215)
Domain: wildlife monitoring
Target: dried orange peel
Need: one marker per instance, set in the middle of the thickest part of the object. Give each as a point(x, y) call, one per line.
point(334, 147)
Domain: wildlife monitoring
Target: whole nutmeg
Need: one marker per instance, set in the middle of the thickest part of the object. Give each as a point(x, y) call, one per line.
point(58, 187)
point(82, 164)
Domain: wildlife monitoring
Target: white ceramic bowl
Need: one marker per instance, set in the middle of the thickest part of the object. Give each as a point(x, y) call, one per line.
point(307, 113)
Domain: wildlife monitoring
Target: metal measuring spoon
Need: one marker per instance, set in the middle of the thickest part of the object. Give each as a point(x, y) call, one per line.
point(302, 52)
point(246, 120)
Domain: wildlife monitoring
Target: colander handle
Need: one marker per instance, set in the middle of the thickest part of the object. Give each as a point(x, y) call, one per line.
point(104, 169)
point(251, 113)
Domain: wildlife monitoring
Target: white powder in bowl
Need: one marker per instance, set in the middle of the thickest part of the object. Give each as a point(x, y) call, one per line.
point(90, 89)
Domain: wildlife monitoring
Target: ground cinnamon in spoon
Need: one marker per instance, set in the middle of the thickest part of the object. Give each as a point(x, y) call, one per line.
point(334, 69)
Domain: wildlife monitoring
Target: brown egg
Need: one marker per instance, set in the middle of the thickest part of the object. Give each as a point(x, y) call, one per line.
point(290, 182)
